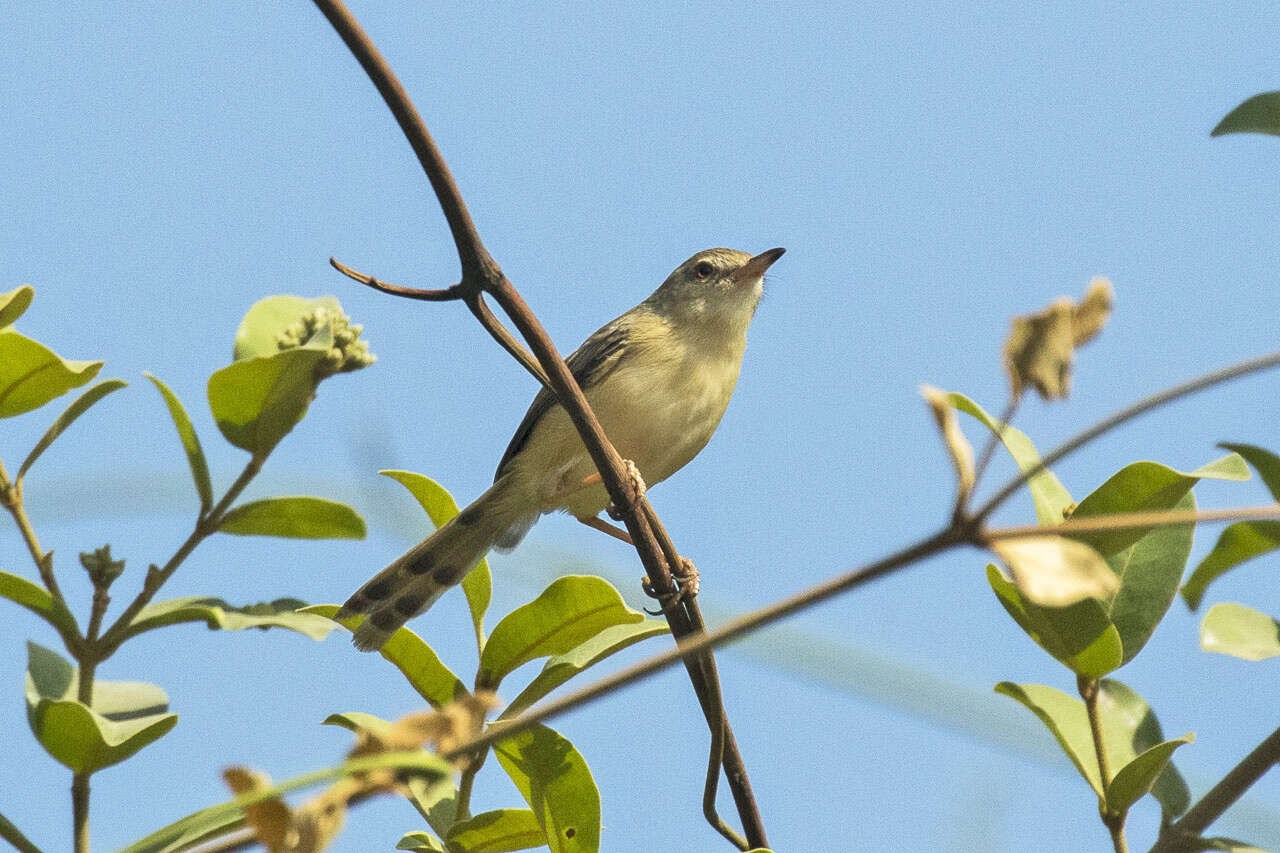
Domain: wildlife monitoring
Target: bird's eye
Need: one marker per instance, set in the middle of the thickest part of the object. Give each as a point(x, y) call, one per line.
point(703, 270)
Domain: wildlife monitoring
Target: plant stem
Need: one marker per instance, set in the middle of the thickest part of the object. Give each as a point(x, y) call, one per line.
point(11, 498)
point(80, 811)
point(157, 576)
point(1114, 821)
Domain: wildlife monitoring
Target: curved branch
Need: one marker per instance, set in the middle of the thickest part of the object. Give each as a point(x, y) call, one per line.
point(480, 273)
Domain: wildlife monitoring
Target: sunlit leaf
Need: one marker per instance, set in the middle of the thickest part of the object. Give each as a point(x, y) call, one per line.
point(556, 783)
point(560, 668)
point(1128, 727)
point(1239, 631)
point(1259, 114)
point(1134, 780)
point(1266, 463)
point(68, 417)
point(294, 518)
point(1237, 543)
point(434, 681)
point(14, 303)
point(498, 831)
point(435, 500)
point(1050, 497)
point(36, 598)
point(257, 401)
point(570, 611)
point(31, 374)
point(1079, 636)
point(1149, 571)
point(190, 444)
point(1054, 571)
point(261, 329)
point(1142, 487)
point(124, 717)
point(421, 842)
point(218, 615)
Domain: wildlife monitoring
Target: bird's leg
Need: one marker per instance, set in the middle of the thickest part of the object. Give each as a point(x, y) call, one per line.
point(637, 487)
point(688, 585)
point(605, 527)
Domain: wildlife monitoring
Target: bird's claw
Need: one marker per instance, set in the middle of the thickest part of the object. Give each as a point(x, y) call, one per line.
point(688, 585)
point(632, 473)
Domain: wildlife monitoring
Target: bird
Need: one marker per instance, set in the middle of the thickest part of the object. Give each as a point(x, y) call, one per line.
point(658, 377)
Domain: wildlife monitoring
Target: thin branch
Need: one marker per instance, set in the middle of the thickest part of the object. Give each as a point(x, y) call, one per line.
point(481, 273)
point(1114, 822)
point(474, 300)
point(156, 577)
point(1128, 413)
point(11, 499)
point(989, 450)
point(1178, 835)
point(1130, 521)
point(941, 541)
point(446, 294)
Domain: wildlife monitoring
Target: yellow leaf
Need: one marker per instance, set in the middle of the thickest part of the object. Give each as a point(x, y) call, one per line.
point(1054, 571)
point(958, 447)
point(1040, 347)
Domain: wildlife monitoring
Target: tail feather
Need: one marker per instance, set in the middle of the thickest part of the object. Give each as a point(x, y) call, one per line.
point(416, 580)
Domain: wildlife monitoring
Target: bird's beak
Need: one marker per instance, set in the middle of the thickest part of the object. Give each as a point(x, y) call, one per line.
point(754, 268)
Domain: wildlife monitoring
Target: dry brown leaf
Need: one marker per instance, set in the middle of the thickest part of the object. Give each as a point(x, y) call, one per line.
point(1040, 348)
point(958, 447)
point(270, 820)
point(1055, 571)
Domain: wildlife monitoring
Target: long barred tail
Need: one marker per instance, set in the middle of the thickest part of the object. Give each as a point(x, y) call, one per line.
point(414, 581)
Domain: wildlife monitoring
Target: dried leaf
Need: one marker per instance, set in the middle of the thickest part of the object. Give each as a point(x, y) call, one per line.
point(443, 730)
point(958, 447)
point(1040, 347)
point(271, 821)
point(1056, 572)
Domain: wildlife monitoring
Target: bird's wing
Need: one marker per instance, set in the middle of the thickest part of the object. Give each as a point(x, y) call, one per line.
point(598, 356)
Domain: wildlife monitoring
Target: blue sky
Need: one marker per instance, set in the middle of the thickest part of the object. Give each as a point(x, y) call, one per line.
point(931, 169)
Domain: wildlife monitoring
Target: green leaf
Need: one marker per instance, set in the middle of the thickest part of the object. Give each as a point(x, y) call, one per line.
point(257, 401)
point(1138, 723)
point(570, 611)
point(1051, 499)
point(1079, 636)
point(555, 781)
point(1146, 486)
point(1128, 730)
point(1134, 780)
point(190, 444)
point(31, 374)
point(1266, 463)
point(68, 417)
point(560, 668)
point(269, 318)
point(1239, 631)
point(36, 599)
point(218, 615)
point(218, 819)
point(1237, 543)
point(440, 506)
point(423, 842)
point(294, 518)
point(14, 303)
point(124, 717)
point(358, 721)
point(436, 801)
point(434, 681)
point(1149, 571)
point(498, 831)
point(1259, 114)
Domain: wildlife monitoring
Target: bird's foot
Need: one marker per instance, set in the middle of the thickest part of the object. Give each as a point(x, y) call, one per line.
point(632, 473)
point(688, 585)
